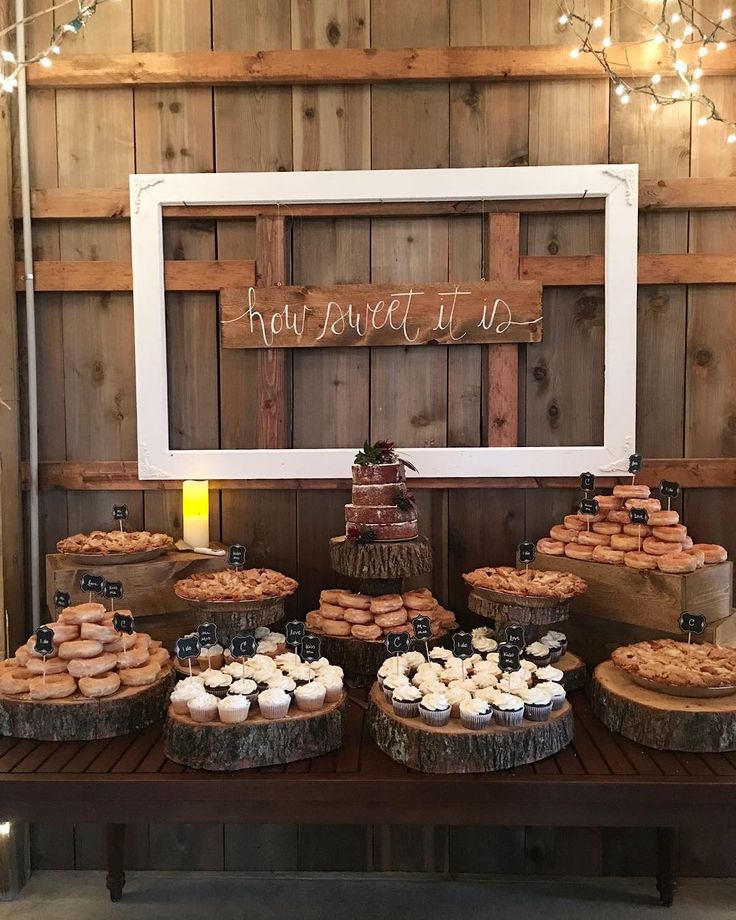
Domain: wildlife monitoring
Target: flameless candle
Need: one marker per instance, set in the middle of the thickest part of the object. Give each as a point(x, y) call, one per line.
point(196, 512)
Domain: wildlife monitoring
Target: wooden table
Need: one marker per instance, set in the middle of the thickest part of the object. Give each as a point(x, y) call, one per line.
point(601, 780)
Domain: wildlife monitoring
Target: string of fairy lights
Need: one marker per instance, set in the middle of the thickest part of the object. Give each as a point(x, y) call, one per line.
point(11, 64)
point(687, 36)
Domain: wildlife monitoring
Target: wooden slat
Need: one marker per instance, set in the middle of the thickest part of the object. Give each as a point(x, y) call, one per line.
point(654, 268)
point(185, 275)
point(353, 65)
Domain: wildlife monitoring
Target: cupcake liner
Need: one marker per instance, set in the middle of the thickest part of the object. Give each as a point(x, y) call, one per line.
point(219, 692)
point(476, 722)
point(388, 692)
point(538, 661)
point(554, 655)
point(274, 710)
point(557, 703)
point(436, 717)
point(234, 718)
point(333, 694)
point(180, 707)
point(309, 705)
point(455, 711)
point(380, 681)
point(536, 712)
point(406, 709)
point(203, 714)
point(508, 717)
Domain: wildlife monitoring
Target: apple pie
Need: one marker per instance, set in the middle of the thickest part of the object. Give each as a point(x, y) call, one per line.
point(233, 585)
point(560, 586)
point(679, 664)
point(114, 542)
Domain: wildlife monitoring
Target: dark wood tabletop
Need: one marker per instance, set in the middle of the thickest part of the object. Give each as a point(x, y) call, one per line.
point(601, 779)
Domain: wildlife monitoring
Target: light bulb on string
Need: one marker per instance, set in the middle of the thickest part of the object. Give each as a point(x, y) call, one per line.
point(731, 139)
point(620, 89)
point(698, 73)
point(726, 14)
point(693, 88)
point(677, 44)
point(625, 99)
point(675, 18)
point(7, 56)
point(702, 51)
point(687, 31)
point(575, 53)
point(676, 94)
point(721, 46)
point(598, 22)
point(656, 78)
point(703, 120)
point(680, 66)
point(45, 61)
point(563, 20)
point(606, 41)
point(654, 105)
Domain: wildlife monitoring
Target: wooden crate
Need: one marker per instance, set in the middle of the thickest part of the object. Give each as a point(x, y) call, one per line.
point(648, 599)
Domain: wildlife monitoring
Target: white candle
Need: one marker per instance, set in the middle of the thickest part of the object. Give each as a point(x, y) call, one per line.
point(196, 512)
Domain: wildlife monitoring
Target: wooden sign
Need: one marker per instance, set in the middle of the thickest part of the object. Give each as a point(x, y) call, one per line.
point(371, 314)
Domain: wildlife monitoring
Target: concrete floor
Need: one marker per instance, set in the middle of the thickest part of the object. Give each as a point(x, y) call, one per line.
point(182, 896)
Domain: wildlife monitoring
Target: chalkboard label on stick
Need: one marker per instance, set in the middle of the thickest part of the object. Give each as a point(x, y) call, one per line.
point(295, 630)
point(44, 644)
point(639, 516)
point(527, 551)
point(113, 590)
point(669, 488)
point(236, 555)
point(120, 512)
point(692, 623)
point(207, 633)
point(635, 461)
point(311, 648)
point(589, 506)
point(61, 600)
point(587, 482)
point(92, 584)
point(509, 656)
point(187, 647)
point(422, 628)
point(515, 636)
point(397, 643)
point(243, 646)
point(123, 623)
point(462, 645)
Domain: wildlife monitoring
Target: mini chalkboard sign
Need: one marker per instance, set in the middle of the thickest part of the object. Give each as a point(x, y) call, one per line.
point(61, 600)
point(207, 633)
point(187, 647)
point(422, 628)
point(123, 623)
point(120, 512)
point(44, 644)
point(639, 516)
point(509, 656)
point(635, 461)
point(692, 623)
point(295, 630)
point(587, 482)
point(311, 648)
point(589, 506)
point(527, 551)
point(397, 643)
point(92, 584)
point(515, 636)
point(244, 645)
point(670, 490)
point(236, 556)
point(113, 590)
point(462, 645)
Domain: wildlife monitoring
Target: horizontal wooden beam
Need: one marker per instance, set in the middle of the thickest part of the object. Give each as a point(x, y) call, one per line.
point(673, 194)
point(102, 475)
point(188, 275)
point(654, 268)
point(356, 65)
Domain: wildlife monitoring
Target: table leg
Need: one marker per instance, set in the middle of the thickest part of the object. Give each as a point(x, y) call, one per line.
point(667, 849)
point(115, 843)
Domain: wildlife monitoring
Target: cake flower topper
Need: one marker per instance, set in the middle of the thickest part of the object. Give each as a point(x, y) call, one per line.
point(357, 534)
point(380, 452)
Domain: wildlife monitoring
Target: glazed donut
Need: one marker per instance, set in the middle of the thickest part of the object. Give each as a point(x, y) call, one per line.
point(153, 644)
point(361, 617)
point(548, 547)
point(573, 522)
point(650, 505)
point(103, 632)
point(139, 677)
point(22, 655)
point(80, 648)
point(698, 555)
point(391, 619)
point(403, 628)
point(579, 551)
point(51, 665)
point(563, 535)
point(332, 611)
point(134, 657)
point(314, 619)
point(387, 603)
point(608, 502)
point(160, 656)
point(674, 533)
point(53, 687)
point(606, 527)
point(336, 627)
point(15, 680)
point(641, 561)
point(590, 538)
point(637, 530)
point(677, 563)
point(63, 632)
point(117, 645)
point(631, 491)
point(330, 596)
point(687, 543)
point(663, 518)
point(712, 552)
point(413, 614)
point(660, 547)
point(32, 653)
point(619, 517)
point(446, 618)
point(593, 518)
point(625, 542)
point(83, 613)
point(95, 687)
point(416, 601)
point(608, 555)
point(9, 663)
point(370, 632)
point(438, 628)
point(354, 601)
point(91, 667)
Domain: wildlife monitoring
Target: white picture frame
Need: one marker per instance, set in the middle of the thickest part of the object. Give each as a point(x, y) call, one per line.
point(618, 185)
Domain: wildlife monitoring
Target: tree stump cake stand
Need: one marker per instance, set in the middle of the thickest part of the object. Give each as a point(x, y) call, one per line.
point(660, 720)
point(360, 658)
point(455, 749)
point(231, 617)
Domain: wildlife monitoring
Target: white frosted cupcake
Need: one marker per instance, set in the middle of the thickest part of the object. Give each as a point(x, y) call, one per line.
point(538, 653)
point(274, 703)
point(484, 679)
point(310, 697)
point(283, 681)
point(260, 632)
point(475, 714)
point(465, 683)
point(558, 637)
point(393, 681)
point(487, 694)
point(233, 709)
point(440, 654)
point(217, 683)
point(549, 673)
point(203, 707)
point(212, 657)
point(332, 684)
point(237, 670)
point(181, 694)
point(288, 660)
point(555, 649)
point(482, 632)
point(244, 687)
point(455, 697)
point(537, 704)
point(431, 686)
point(435, 709)
point(556, 692)
point(413, 660)
point(484, 644)
point(514, 682)
point(405, 701)
point(427, 671)
point(508, 709)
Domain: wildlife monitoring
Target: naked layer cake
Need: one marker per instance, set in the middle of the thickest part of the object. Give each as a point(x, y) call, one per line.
point(382, 508)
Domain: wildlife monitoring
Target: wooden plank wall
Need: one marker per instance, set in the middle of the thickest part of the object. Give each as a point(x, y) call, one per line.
point(421, 397)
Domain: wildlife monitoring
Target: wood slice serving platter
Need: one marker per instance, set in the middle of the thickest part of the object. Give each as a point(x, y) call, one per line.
point(78, 718)
point(381, 561)
point(659, 720)
point(574, 670)
point(257, 742)
point(522, 611)
point(232, 616)
point(360, 659)
point(455, 749)
point(94, 559)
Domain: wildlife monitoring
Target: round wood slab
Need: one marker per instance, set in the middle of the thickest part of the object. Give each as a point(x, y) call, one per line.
point(381, 560)
point(257, 742)
point(232, 616)
point(360, 659)
point(78, 718)
point(657, 720)
point(455, 749)
point(480, 603)
point(95, 559)
point(574, 670)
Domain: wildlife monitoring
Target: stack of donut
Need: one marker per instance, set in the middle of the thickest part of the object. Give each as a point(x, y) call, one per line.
point(89, 658)
point(610, 537)
point(342, 613)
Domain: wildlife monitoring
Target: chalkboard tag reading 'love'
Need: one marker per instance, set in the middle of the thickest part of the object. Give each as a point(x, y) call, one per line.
point(92, 584)
point(589, 506)
point(61, 600)
point(635, 461)
point(187, 647)
point(587, 482)
point(509, 657)
point(123, 623)
point(236, 556)
point(639, 516)
point(44, 644)
point(207, 633)
point(462, 645)
point(311, 648)
point(527, 551)
point(515, 636)
point(120, 512)
point(295, 630)
point(422, 628)
point(692, 623)
point(397, 643)
point(243, 646)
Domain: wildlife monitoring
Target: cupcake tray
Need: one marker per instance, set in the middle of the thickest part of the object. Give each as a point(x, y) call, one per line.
point(257, 742)
point(453, 748)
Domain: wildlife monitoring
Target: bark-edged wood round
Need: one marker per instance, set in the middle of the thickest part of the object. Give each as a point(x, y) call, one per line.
point(232, 616)
point(257, 742)
point(381, 560)
point(360, 659)
point(78, 718)
point(518, 613)
point(455, 749)
point(574, 670)
point(657, 720)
